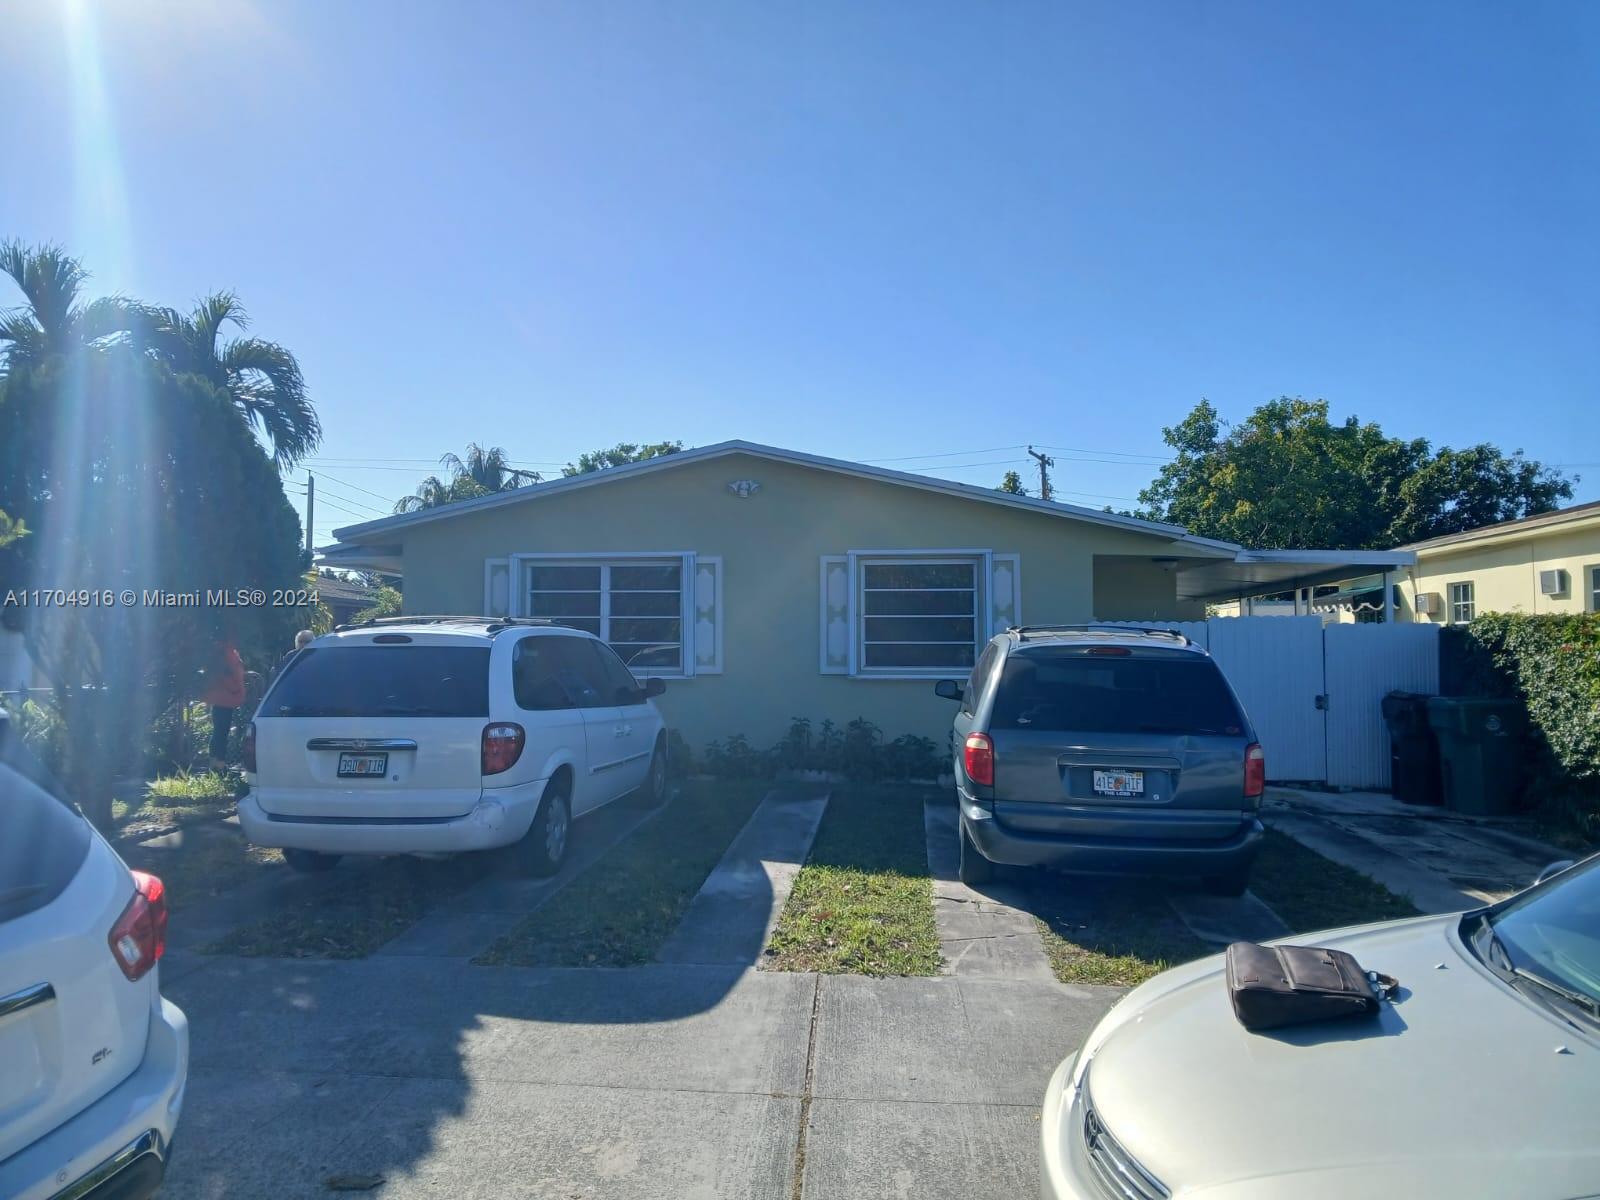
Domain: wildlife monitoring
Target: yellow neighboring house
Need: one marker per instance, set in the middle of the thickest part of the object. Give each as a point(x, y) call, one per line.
point(1544, 564)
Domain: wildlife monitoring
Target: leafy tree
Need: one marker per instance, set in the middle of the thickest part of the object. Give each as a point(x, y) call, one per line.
point(618, 455)
point(482, 472)
point(135, 481)
point(385, 603)
point(262, 378)
point(1011, 483)
point(1290, 476)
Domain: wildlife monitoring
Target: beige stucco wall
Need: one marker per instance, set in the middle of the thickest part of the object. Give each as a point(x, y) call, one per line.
point(1505, 574)
point(1136, 589)
point(770, 545)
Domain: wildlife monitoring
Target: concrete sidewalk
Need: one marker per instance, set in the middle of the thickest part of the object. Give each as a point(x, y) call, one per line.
point(647, 1082)
point(738, 905)
point(1442, 861)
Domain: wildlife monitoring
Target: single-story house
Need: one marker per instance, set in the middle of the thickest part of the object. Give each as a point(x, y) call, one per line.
point(344, 598)
point(1544, 564)
point(767, 584)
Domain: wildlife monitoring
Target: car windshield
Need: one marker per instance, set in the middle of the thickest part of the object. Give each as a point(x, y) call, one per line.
point(383, 681)
point(1062, 688)
point(1551, 935)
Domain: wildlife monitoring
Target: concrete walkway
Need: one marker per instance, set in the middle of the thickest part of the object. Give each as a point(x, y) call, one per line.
point(734, 913)
point(1442, 861)
point(708, 1082)
point(983, 934)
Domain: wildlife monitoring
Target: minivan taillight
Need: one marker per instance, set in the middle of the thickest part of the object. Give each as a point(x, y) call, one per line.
point(247, 753)
point(139, 937)
point(1255, 770)
point(502, 746)
point(978, 759)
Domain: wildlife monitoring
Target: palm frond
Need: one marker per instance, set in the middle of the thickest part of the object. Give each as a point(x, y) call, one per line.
point(266, 383)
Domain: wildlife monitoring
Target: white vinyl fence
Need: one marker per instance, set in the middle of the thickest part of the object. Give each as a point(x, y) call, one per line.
point(1313, 692)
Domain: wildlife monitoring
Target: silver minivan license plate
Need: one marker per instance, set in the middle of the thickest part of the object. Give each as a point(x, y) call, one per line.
point(1119, 783)
point(363, 766)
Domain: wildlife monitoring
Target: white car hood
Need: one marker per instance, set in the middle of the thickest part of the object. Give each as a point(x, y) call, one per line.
point(1463, 1088)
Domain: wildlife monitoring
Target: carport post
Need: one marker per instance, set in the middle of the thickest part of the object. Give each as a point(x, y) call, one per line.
point(1388, 598)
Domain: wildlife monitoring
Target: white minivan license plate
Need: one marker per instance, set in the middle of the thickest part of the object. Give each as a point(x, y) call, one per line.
point(1119, 783)
point(363, 766)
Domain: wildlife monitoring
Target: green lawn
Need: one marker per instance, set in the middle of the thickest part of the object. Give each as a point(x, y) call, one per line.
point(1311, 892)
point(202, 864)
point(863, 903)
point(1117, 932)
point(356, 915)
point(620, 911)
point(179, 800)
point(1122, 932)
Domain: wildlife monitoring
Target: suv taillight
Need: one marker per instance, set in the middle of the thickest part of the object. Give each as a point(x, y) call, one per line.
point(247, 753)
point(978, 758)
point(502, 746)
point(139, 937)
point(1255, 770)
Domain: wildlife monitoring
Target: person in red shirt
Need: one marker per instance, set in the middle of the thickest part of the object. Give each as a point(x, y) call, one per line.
point(224, 693)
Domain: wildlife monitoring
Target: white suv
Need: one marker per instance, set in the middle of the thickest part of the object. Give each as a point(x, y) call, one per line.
point(430, 735)
point(93, 1060)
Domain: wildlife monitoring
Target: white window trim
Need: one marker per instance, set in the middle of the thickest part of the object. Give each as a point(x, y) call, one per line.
point(1450, 600)
point(686, 581)
point(984, 561)
point(1593, 574)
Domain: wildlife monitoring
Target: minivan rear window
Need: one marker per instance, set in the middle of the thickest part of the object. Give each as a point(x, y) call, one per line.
point(44, 846)
point(382, 681)
point(1066, 690)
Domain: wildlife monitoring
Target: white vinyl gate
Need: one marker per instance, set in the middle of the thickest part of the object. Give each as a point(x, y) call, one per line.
point(1314, 692)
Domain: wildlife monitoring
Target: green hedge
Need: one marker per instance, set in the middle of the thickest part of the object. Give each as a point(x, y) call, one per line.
point(1552, 663)
point(856, 751)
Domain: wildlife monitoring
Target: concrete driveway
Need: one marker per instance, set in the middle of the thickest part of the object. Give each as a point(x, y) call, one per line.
point(426, 1076)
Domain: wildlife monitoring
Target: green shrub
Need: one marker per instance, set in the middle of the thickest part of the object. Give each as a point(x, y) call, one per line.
point(42, 731)
point(858, 752)
point(1550, 662)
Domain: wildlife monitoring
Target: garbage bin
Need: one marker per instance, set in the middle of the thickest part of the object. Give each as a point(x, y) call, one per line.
point(1413, 750)
point(1480, 752)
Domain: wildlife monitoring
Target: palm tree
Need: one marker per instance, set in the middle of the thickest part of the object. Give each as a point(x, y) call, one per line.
point(482, 472)
point(56, 321)
point(261, 377)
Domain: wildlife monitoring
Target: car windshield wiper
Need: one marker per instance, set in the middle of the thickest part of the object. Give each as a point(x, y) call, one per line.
point(1581, 1000)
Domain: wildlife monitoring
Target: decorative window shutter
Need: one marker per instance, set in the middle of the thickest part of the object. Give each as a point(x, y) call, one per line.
point(707, 616)
point(497, 587)
point(1005, 592)
point(834, 615)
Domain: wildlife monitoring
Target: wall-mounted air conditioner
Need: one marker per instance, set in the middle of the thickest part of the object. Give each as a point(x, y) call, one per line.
point(1428, 604)
point(1553, 582)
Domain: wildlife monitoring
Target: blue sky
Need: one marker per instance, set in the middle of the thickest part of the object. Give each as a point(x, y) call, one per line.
point(867, 230)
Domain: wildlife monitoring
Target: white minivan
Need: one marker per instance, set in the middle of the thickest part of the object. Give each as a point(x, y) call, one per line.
point(432, 735)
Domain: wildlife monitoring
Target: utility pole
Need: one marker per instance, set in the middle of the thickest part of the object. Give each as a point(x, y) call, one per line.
point(1045, 463)
point(311, 506)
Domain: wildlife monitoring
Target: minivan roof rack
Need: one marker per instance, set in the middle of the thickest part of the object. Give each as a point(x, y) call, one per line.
point(1024, 632)
point(492, 625)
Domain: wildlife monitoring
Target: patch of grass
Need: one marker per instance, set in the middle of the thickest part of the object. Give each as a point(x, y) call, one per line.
point(863, 903)
point(620, 911)
point(1118, 932)
point(196, 866)
point(179, 799)
point(1312, 892)
point(354, 917)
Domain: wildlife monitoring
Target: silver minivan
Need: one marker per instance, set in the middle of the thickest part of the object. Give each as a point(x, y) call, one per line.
point(1105, 750)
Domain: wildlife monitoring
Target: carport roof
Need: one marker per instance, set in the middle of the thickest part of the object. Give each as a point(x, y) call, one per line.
point(1260, 572)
